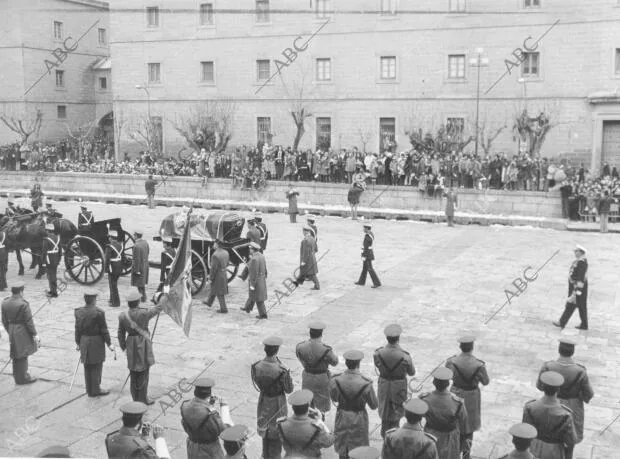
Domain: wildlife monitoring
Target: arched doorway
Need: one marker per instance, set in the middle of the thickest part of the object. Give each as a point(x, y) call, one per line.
point(106, 127)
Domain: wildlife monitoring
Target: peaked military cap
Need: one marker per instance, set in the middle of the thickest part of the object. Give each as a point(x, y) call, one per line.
point(443, 374)
point(567, 341)
point(134, 408)
point(254, 245)
point(523, 430)
point(301, 397)
point(365, 452)
point(90, 292)
point(273, 341)
point(307, 228)
point(48, 204)
point(49, 226)
point(317, 325)
point(258, 216)
point(139, 232)
point(580, 247)
point(416, 406)
point(134, 296)
point(466, 339)
point(55, 451)
point(18, 285)
point(393, 330)
point(166, 239)
point(353, 355)
point(552, 378)
point(83, 206)
point(310, 218)
point(113, 233)
point(368, 225)
point(236, 433)
point(204, 382)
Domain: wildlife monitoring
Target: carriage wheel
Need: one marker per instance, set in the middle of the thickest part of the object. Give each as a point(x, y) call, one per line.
point(199, 273)
point(231, 271)
point(127, 253)
point(84, 260)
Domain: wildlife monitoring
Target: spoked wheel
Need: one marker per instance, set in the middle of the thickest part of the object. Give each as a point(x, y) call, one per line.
point(84, 260)
point(127, 253)
point(231, 271)
point(199, 273)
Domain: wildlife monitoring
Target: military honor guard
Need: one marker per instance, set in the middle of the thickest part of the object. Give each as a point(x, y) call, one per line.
point(131, 439)
point(167, 257)
point(352, 392)
point(257, 284)
point(522, 436)
point(114, 266)
point(85, 217)
point(134, 338)
point(51, 256)
point(262, 229)
point(140, 264)
point(576, 389)
point(291, 195)
point(316, 357)
point(233, 439)
point(304, 434)
point(4, 261)
point(393, 364)
point(365, 452)
point(368, 255)
point(308, 266)
point(469, 372)
point(203, 423)
point(219, 277)
point(36, 196)
point(446, 418)
point(311, 223)
point(410, 440)
point(253, 235)
point(273, 381)
point(553, 421)
point(452, 203)
point(23, 338)
point(91, 337)
point(577, 291)
point(51, 212)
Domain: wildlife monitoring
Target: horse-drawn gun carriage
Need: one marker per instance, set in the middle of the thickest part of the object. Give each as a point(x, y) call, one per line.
point(224, 226)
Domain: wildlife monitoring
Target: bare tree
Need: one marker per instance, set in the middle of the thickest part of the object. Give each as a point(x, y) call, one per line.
point(487, 135)
point(80, 134)
point(365, 137)
point(444, 141)
point(119, 122)
point(25, 125)
point(208, 125)
point(148, 133)
point(297, 96)
point(532, 130)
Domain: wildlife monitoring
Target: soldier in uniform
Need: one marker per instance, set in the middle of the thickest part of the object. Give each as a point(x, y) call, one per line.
point(257, 284)
point(262, 228)
point(522, 436)
point(85, 217)
point(553, 421)
point(219, 277)
point(577, 291)
point(203, 423)
point(140, 264)
point(167, 257)
point(4, 261)
point(304, 433)
point(410, 439)
point(51, 212)
point(351, 391)
point(134, 338)
point(91, 336)
point(36, 196)
point(253, 235)
point(131, 439)
point(446, 418)
point(310, 221)
point(365, 452)
point(452, 202)
point(114, 266)
point(233, 439)
point(316, 358)
point(11, 210)
point(149, 187)
point(273, 381)
point(576, 388)
point(291, 195)
point(393, 364)
point(51, 256)
point(23, 338)
point(368, 255)
point(469, 372)
point(308, 267)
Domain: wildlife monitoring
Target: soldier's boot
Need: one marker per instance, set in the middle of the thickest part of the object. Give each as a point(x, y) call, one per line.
point(317, 285)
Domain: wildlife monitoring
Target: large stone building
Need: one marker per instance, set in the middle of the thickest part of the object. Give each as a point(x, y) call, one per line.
point(54, 55)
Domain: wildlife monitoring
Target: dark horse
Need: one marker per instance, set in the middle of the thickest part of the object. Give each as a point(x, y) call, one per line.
point(27, 232)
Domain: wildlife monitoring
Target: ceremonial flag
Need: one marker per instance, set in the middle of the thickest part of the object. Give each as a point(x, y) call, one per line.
point(177, 299)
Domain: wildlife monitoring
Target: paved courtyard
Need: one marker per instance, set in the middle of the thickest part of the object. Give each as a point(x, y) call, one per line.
point(438, 282)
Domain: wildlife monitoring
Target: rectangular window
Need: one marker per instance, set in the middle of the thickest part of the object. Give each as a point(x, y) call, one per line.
point(388, 7)
point(456, 66)
point(103, 83)
point(102, 36)
point(60, 78)
point(152, 16)
point(58, 30)
point(154, 72)
point(206, 14)
point(262, 10)
point(208, 72)
point(323, 69)
point(262, 70)
point(457, 6)
point(530, 65)
point(263, 127)
point(531, 3)
point(322, 9)
point(618, 60)
point(455, 128)
point(388, 67)
point(323, 133)
point(61, 111)
point(387, 133)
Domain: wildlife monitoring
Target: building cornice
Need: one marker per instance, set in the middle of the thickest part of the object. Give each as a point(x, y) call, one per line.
point(92, 3)
point(604, 97)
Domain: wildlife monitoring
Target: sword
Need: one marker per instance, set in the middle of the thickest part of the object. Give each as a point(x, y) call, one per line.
point(77, 365)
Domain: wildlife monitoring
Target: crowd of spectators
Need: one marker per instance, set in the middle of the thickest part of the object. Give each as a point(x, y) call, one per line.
point(582, 194)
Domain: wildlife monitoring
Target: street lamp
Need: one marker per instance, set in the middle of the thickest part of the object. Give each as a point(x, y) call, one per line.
point(523, 81)
point(148, 98)
point(478, 62)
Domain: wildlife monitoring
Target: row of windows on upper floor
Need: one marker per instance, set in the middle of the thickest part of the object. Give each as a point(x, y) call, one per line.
point(102, 82)
point(58, 33)
point(322, 9)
